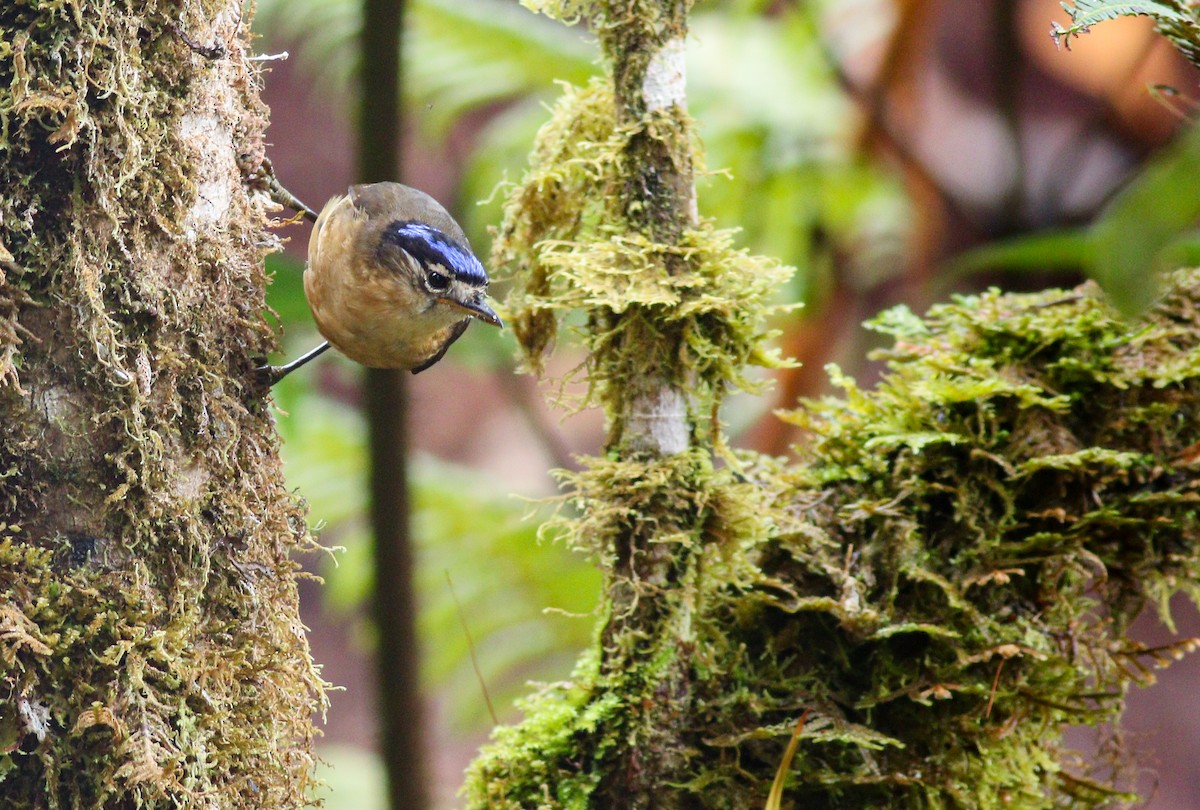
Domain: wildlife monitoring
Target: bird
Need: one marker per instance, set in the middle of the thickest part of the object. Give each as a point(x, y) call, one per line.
point(391, 280)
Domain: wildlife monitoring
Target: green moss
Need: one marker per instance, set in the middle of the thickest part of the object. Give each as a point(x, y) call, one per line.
point(993, 572)
point(540, 758)
point(154, 658)
point(944, 580)
point(695, 308)
point(939, 586)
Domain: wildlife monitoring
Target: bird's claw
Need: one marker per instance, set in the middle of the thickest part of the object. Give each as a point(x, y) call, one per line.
point(265, 376)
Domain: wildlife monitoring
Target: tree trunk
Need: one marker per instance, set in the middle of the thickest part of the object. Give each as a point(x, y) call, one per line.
point(150, 648)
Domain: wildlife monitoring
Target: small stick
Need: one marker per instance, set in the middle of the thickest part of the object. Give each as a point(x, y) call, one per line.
point(471, 648)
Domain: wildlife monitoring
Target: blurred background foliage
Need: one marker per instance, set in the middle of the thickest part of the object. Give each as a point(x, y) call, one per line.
point(890, 150)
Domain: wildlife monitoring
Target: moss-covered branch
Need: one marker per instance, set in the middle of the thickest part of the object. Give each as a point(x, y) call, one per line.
point(150, 649)
point(607, 222)
point(940, 586)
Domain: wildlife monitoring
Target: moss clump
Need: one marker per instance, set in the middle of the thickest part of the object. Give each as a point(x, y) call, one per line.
point(943, 582)
point(694, 307)
point(540, 757)
point(977, 533)
point(698, 519)
point(969, 542)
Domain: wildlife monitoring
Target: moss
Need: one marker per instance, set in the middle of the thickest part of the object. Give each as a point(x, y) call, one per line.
point(604, 223)
point(155, 657)
point(977, 587)
point(567, 248)
point(939, 586)
point(943, 582)
point(542, 763)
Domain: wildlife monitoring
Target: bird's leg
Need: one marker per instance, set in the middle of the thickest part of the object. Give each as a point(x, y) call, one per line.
point(267, 375)
point(264, 178)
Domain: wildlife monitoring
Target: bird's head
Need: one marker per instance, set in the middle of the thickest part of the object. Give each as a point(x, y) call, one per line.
point(438, 267)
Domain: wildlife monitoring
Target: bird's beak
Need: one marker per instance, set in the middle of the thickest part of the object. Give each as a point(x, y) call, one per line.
point(477, 309)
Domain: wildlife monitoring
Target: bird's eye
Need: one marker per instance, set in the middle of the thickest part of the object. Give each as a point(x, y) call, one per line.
point(437, 281)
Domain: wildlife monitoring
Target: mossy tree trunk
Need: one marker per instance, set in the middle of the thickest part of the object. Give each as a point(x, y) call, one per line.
point(150, 648)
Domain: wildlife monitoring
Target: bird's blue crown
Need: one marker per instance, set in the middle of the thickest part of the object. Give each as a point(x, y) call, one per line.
point(430, 246)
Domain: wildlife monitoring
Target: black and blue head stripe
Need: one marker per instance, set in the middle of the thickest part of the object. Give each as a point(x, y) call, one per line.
point(429, 246)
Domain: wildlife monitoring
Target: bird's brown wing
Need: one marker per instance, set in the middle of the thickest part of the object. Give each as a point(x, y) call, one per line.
point(455, 333)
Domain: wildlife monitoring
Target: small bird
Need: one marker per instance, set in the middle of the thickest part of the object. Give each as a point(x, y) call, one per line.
point(391, 280)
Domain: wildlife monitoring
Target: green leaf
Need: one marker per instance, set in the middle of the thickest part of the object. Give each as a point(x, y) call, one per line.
point(460, 55)
point(1132, 237)
point(1034, 252)
point(464, 55)
point(1146, 228)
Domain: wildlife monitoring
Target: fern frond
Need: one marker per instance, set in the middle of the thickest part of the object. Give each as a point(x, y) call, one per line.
point(1086, 13)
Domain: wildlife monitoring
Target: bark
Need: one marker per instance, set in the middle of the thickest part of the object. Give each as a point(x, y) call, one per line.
point(151, 652)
